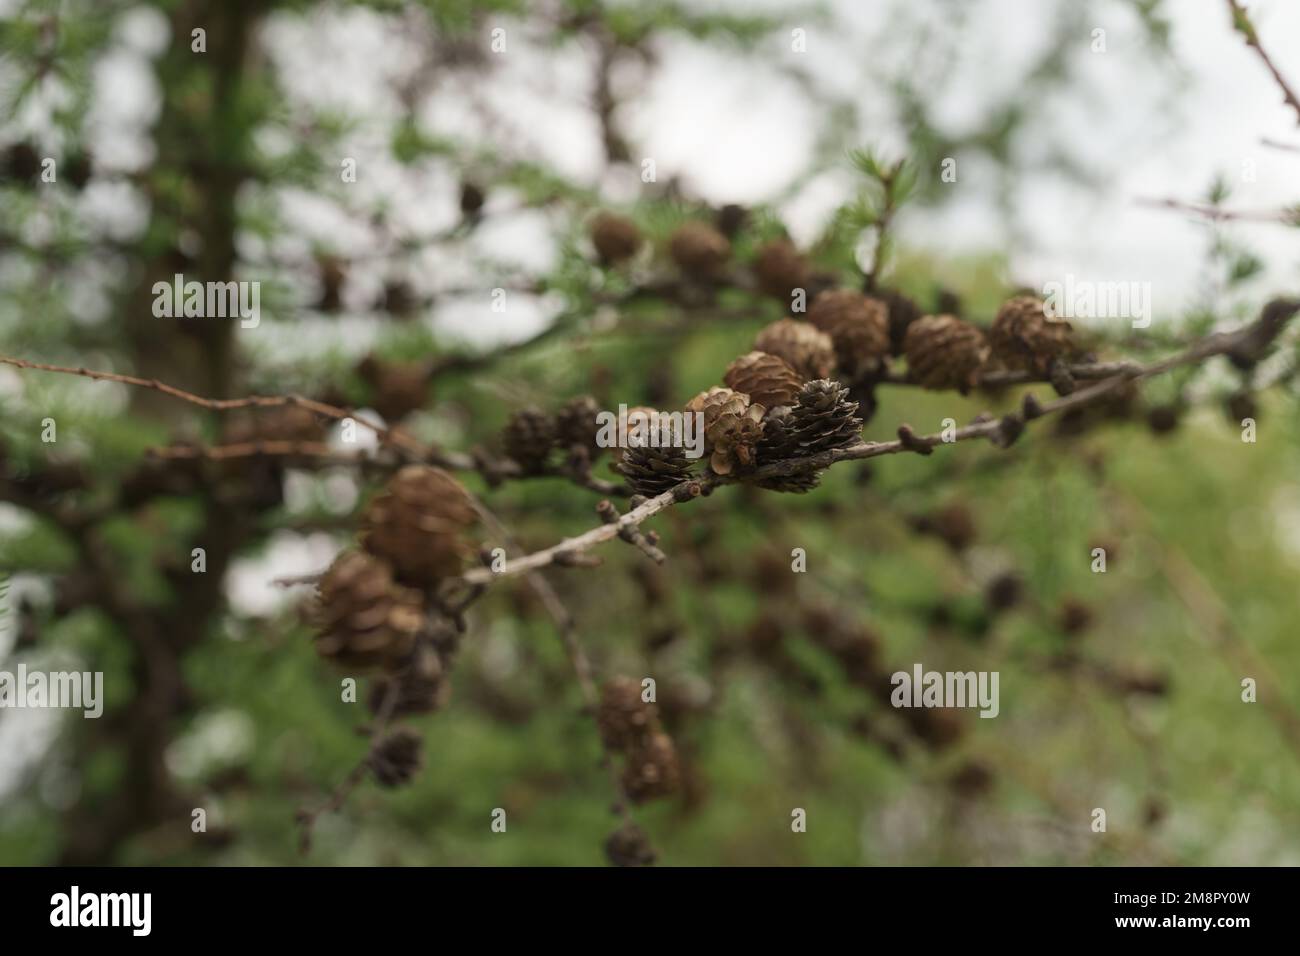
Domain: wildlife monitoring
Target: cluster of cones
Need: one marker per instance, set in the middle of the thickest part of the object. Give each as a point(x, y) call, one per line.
point(534, 439)
point(630, 726)
point(793, 395)
point(375, 610)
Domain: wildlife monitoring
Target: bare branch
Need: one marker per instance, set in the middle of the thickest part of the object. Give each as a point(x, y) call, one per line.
point(1214, 213)
point(1241, 22)
point(386, 435)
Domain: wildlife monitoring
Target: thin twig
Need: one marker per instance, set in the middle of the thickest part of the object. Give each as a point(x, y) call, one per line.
point(413, 449)
point(566, 627)
point(1219, 214)
point(307, 818)
point(387, 435)
point(317, 451)
point(1241, 22)
point(1278, 144)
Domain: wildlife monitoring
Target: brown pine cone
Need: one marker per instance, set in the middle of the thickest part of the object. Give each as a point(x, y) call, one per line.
point(416, 523)
point(858, 326)
point(821, 419)
point(699, 249)
point(397, 388)
point(902, 313)
point(1004, 592)
point(652, 769)
point(637, 422)
point(1024, 337)
point(767, 379)
point(1075, 616)
point(616, 238)
point(651, 470)
point(576, 424)
point(733, 427)
point(528, 438)
point(397, 759)
point(780, 269)
point(333, 273)
point(365, 618)
point(399, 299)
point(809, 351)
point(1239, 406)
point(21, 163)
point(944, 352)
point(714, 401)
point(799, 484)
point(629, 846)
point(952, 524)
point(730, 219)
point(622, 716)
point(472, 198)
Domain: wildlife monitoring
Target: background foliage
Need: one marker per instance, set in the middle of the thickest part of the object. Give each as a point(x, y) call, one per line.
point(215, 697)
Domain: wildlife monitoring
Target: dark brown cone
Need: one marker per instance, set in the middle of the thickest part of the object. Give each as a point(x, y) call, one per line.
point(699, 249)
point(953, 524)
point(767, 379)
point(809, 351)
point(859, 327)
point(638, 422)
point(780, 269)
point(622, 716)
point(397, 759)
point(1024, 337)
point(529, 437)
point(733, 426)
point(21, 163)
point(1075, 616)
point(1162, 419)
point(400, 300)
point(730, 219)
point(1004, 592)
point(629, 846)
point(822, 418)
point(416, 524)
point(1141, 680)
point(472, 198)
point(1240, 406)
point(799, 484)
point(615, 238)
point(397, 388)
point(972, 779)
point(902, 313)
point(652, 769)
point(652, 470)
point(333, 273)
point(365, 618)
point(944, 352)
point(78, 168)
point(576, 423)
